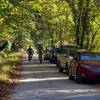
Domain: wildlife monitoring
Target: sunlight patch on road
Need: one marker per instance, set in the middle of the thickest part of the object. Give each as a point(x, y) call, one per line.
point(39, 65)
point(42, 79)
point(37, 72)
point(70, 93)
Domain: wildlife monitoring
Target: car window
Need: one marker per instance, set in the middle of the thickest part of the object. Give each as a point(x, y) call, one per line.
point(90, 57)
point(71, 51)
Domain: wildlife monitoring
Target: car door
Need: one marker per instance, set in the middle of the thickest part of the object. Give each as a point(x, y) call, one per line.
point(63, 57)
point(73, 66)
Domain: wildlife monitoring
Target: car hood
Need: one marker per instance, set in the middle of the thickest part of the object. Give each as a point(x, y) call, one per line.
point(94, 64)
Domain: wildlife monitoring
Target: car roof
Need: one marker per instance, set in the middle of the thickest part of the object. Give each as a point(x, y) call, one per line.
point(85, 51)
point(56, 49)
point(69, 46)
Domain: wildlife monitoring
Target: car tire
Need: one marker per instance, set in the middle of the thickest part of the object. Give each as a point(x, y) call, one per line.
point(57, 64)
point(67, 70)
point(59, 67)
point(50, 60)
point(70, 75)
point(79, 78)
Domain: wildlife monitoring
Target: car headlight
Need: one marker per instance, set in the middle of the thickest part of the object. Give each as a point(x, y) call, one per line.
point(91, 68)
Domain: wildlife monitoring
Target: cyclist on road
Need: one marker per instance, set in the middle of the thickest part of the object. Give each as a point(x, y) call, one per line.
point(30, 53)
point(40, 52)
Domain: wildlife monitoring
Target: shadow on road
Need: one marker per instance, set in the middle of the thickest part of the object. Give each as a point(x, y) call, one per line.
point(44, 82)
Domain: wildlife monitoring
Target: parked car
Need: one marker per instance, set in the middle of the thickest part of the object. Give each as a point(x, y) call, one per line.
point(65, 55)
point(54, 55)
point(85, 66)
point(46, 54)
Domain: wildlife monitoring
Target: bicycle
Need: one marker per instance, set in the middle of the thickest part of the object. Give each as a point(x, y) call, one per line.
point(40, 58)
point(30, 56)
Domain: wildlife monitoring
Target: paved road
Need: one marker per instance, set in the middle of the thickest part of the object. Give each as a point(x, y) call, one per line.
point(44, 82)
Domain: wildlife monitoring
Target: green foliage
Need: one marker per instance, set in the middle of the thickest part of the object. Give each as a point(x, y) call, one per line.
point(85, 14)
point(7, 65)
point(52, 22)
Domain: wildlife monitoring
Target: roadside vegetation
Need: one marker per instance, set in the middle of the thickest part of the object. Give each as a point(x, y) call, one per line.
point(9, 71)
point(8, 63)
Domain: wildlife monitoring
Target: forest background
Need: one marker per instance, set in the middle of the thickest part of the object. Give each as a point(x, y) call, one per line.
point(51, 22)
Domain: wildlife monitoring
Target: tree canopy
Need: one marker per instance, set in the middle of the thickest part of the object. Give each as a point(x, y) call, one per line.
point(51, 22)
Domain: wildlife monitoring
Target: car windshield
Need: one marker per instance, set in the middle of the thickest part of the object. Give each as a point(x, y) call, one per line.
point(90, 57)
point(72, 50)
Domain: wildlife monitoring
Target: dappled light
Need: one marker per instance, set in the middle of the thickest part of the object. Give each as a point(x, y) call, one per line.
point(41, 65)
point(37, 72)
point(41, 42)
point(53, 92)
point(43, 79)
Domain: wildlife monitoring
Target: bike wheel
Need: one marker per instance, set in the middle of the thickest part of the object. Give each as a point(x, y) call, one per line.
point(40, 59)
point(30, 57)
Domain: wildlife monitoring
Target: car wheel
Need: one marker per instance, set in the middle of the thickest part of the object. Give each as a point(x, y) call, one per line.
point(60, 68)
point(78, 78)
point(50, 60)
point(70, 75)
point(57, 64)
point(67, 70)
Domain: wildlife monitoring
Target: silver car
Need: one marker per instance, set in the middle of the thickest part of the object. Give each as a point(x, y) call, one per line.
point(65, 56)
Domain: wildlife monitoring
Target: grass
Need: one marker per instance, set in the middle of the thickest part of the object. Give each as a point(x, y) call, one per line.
point(7, 65)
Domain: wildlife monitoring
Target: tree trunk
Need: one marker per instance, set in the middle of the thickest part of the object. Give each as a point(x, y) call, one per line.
point(60, 32)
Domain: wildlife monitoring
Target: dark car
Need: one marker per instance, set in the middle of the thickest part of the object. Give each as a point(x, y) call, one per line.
point(46, 54)
point(85, 66)
point(54, 55)
point(65, 55)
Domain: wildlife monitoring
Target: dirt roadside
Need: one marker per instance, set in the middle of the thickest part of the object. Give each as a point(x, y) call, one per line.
point(6, 87)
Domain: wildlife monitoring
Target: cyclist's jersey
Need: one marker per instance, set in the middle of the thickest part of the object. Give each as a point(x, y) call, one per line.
point(40, 49)
point(30, 51)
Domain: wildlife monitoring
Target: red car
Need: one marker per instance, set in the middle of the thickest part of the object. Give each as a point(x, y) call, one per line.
point(85, 66)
